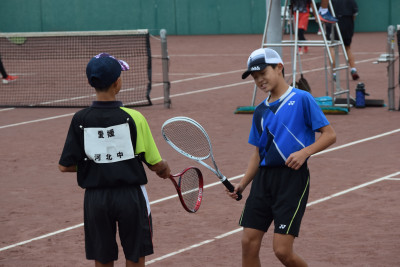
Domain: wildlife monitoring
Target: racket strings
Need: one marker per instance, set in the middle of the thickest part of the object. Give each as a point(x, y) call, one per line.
point(188, 137)
point(189, 183)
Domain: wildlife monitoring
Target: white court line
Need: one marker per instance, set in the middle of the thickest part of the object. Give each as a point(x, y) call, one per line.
point(204, 90)
point(38, 120)
point(6, 109)
point(193, 246)
point(356, 142)
point(240, 229)
point(353, 188)
point(209, 185)
point(41, 237)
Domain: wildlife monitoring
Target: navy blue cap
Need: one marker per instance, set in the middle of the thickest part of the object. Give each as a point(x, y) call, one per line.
point(104, 69)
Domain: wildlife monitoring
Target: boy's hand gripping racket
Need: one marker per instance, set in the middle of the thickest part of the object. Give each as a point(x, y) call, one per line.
point(190, 139)
point(189, 186)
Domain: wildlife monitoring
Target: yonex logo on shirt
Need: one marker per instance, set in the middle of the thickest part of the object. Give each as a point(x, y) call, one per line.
point(291, 103)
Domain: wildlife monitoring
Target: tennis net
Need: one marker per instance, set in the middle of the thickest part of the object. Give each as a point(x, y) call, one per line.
point(51, 67)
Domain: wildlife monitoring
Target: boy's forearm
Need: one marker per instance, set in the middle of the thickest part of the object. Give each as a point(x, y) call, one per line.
point(251, 170)
point(327, 138)
point(161, 169)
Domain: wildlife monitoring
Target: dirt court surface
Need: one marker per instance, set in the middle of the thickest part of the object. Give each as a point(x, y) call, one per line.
point(353, 212)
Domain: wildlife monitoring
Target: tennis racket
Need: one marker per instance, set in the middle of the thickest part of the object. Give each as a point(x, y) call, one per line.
point(190, 139)
point(189, 186)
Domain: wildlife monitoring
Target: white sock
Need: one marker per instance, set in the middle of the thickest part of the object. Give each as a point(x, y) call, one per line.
point(322, 11)
point(353, 69)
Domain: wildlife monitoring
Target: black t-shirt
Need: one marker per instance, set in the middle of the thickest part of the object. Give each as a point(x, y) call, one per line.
point(103, 160)
point(345, 8)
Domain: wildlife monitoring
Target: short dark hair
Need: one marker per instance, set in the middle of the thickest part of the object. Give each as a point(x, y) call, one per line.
point(105, 89)
point(274, 66)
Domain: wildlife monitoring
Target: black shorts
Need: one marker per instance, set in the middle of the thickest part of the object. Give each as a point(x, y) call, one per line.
point(277, 194)
point(346, 26)
point(127, 207)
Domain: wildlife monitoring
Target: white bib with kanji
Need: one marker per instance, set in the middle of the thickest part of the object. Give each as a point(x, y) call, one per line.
point(108, 145)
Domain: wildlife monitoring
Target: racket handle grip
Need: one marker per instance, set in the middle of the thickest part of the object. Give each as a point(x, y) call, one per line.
point(231, 188)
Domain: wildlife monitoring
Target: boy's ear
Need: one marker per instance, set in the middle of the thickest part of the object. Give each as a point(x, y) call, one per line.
point(117, 84)
point(280, 67)
point(116, 81)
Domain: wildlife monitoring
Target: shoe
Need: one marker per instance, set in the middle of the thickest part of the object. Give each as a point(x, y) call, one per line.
point(305, 49)
point(327, 17)
point(334, 77)
point(354, 75)
point(9, 79)
point(300, 52)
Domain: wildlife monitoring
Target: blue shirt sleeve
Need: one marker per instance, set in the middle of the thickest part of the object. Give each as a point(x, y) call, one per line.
point(314, 116)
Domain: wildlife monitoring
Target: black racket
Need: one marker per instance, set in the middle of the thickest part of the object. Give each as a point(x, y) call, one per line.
point(190, 139)
point(189, 186)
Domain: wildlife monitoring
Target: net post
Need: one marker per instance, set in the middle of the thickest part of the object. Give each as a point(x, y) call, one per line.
point(165, 63)
point(390, 50)
point(398, 46)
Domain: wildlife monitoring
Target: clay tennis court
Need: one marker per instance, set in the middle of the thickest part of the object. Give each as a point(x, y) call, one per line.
point(353, 212)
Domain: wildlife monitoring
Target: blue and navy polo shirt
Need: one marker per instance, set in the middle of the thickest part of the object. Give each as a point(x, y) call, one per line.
point(285, 126)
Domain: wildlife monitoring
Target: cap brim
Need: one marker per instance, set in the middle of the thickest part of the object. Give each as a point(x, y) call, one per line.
point(254, 68)
point(124, 65)
point(246, 74)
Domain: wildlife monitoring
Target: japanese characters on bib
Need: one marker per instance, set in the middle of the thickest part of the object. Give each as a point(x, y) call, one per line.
point(108, 145)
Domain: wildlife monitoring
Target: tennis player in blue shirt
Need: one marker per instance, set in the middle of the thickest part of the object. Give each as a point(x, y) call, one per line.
point(283, 134)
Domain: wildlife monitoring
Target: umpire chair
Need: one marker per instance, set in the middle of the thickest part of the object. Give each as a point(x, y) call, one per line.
point(336, 89)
